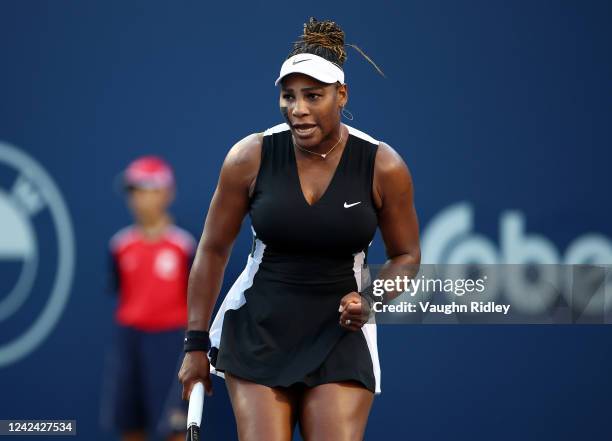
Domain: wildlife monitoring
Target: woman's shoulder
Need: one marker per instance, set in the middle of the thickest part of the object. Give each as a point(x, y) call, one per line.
point(248, 149)
point(241, 163)
point(388, 160)
point(390, 169)
point(245, 153)
point(387, 157)
point(391, 175)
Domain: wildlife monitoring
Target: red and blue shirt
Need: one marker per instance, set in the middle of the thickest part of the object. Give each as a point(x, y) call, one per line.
point(151, 277)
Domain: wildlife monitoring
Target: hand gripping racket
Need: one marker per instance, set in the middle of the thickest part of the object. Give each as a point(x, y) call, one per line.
point(194, 414)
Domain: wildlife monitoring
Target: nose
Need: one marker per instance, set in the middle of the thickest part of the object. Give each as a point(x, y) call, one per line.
point(300, 108)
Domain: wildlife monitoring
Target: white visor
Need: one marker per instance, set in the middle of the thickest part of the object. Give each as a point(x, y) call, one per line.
point(313, 66)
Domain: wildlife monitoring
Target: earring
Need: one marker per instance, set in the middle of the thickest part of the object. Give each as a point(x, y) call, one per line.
point(347, 114)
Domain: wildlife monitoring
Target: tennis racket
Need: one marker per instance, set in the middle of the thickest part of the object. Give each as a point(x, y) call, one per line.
point(194, 414)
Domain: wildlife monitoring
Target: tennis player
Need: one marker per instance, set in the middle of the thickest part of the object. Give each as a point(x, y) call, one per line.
point(291, 337)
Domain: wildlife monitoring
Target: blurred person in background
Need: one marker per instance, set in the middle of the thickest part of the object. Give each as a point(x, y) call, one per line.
point(150, 263)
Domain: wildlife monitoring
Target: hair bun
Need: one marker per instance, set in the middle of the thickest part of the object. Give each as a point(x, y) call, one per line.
point(326, 39)
point(325, 34)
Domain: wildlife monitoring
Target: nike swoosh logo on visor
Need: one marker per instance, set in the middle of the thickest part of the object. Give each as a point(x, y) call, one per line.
point(300, 61)
point(351, 205)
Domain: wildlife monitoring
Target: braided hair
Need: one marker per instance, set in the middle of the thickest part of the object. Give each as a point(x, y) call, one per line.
point(326, 39)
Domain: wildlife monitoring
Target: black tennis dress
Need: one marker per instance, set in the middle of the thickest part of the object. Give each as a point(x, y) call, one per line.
point(278, 324)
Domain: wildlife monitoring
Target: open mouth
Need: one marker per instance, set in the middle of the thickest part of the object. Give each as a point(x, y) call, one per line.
point(304, 130)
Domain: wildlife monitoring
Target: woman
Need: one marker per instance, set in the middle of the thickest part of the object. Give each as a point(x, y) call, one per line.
point(291, 336)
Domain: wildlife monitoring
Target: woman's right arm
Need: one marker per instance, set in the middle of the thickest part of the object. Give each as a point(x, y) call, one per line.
point(227, 210)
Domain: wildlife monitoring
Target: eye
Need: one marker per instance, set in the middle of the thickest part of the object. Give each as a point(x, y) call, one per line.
point(313, 96)
point(287, 96)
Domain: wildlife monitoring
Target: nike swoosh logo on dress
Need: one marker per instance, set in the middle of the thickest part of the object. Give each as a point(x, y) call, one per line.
point(351, 205)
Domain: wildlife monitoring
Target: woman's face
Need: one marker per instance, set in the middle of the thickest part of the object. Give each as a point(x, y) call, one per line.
point(312, 108)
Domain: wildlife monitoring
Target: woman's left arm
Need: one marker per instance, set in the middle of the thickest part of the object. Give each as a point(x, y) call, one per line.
point(393, 197)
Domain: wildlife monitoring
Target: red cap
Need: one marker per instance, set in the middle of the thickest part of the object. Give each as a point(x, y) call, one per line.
point(149, 172)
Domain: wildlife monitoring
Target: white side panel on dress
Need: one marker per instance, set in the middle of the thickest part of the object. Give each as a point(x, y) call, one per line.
point(359, 134)
point(369, 329)
point(234, 298)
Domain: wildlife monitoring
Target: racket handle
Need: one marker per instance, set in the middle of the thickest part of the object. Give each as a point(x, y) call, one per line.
point(193, 434)
point(196, 403)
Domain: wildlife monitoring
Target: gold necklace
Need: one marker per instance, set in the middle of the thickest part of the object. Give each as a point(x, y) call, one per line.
point(322, 155)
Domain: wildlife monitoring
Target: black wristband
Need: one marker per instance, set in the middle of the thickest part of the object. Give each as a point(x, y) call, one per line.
point(369, 296)
point(196, 341)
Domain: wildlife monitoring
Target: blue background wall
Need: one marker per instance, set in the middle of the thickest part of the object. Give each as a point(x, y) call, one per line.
point(501, 105)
